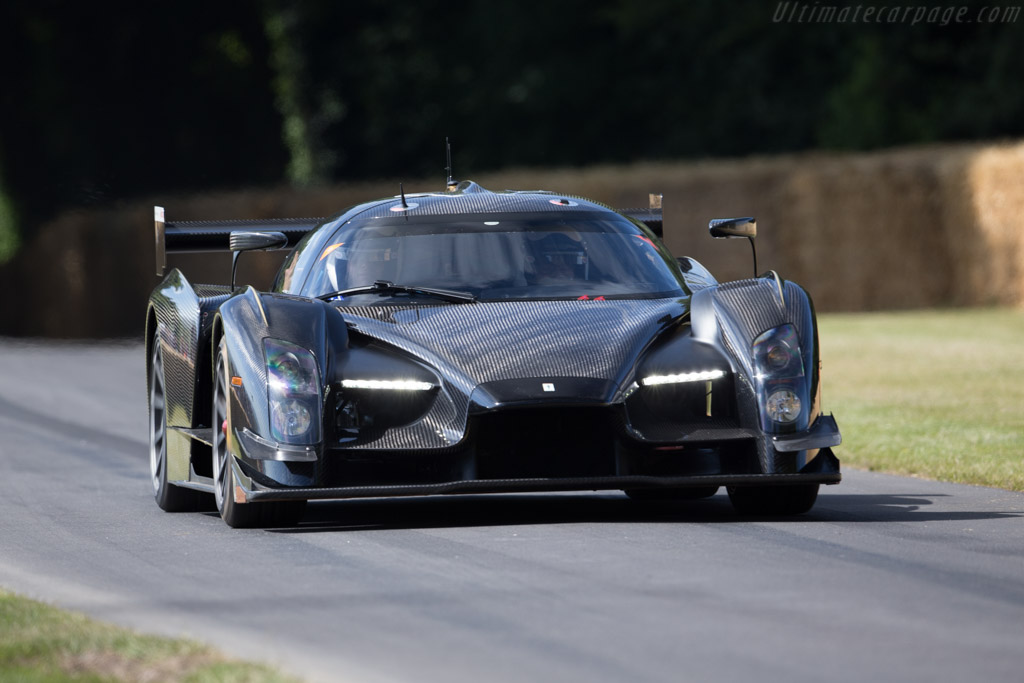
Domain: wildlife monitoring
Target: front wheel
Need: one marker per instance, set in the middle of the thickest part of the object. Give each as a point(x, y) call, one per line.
point(782, 499)
point(236, 514)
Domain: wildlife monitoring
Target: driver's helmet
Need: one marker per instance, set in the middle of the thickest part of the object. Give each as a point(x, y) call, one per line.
point(555, 256)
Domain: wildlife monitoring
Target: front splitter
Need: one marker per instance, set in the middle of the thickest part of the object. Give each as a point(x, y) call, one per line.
point(538, 485)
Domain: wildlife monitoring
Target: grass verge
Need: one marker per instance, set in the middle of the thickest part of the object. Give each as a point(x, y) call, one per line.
point(41, 643)
point(937, 394)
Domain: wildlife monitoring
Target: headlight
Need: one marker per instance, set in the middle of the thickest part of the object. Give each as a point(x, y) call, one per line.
point(683, 377)
point(783, 406)
point(779, 378)
point(778, 357)
point(387, 384)
point(293, 390)
point(777, 353)
point(289, 418)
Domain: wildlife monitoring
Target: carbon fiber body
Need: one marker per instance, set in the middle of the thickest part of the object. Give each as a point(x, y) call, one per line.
point(420, 397)
point(180, 317)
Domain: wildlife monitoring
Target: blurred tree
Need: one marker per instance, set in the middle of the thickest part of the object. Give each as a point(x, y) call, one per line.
point(310, 160)
point(8, 223)
point(104, 103)
point(901, 84)
point(99, 105)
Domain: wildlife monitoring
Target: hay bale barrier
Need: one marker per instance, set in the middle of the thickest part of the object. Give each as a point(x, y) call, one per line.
point(937, 226)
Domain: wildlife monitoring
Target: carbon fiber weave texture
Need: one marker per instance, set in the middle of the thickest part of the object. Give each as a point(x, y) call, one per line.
point(514, 340)
point(747, 308)
point(478, 343)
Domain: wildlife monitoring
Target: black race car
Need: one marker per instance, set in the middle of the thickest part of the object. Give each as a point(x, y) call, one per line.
point(472, 341)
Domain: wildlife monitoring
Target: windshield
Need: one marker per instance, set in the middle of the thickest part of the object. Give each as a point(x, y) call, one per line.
point(496, 258)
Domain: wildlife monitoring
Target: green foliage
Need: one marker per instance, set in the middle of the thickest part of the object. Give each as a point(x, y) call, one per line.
point(105, 105)
point(289, 85)
point(157, 98)
point(9, 239)
point(41, 643)
point(935, 394)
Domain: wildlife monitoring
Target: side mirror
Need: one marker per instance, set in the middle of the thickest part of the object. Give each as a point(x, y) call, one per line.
point(736, 227)
point(252, 241)
point(255, 241)
point(733, 227)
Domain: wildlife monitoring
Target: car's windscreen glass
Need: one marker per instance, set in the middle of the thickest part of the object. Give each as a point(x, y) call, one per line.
point(496, 258)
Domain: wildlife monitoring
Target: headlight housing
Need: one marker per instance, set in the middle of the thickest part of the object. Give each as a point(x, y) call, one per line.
point(293, 393)
point(780, 380)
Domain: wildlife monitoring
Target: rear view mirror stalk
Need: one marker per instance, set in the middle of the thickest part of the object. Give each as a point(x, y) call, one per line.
point(253, 241)
point(732, 228)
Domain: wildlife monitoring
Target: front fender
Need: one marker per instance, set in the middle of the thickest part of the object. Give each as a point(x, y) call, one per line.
point(737, 313)
point(244, 321)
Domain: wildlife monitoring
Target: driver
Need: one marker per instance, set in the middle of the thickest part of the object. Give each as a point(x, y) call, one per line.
point(553, 257)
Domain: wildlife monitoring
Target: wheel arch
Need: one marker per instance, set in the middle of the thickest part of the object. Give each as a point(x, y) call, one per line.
point(733, 315)
point(150, 338)
point(245, 320)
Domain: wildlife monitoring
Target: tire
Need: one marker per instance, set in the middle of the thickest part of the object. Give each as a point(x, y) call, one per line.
point(169, 497)
point(239, 515)
point(779, 500)
point(688, 493)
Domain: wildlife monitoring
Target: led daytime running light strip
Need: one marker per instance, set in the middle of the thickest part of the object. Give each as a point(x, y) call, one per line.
point(392, 384)
point(701, 376)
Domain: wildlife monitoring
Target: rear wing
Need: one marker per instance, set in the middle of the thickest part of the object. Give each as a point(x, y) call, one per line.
point(651, 217)
point(182, 237)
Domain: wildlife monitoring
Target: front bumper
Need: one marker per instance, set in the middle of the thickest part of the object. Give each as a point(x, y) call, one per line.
point(823, 434)
point(824, 469)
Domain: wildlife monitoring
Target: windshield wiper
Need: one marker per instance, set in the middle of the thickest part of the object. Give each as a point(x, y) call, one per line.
point(386, 286)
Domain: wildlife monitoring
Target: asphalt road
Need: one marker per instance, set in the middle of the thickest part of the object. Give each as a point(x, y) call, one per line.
point(887, 579)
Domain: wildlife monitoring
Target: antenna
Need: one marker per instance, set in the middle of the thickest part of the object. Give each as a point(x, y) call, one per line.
point(401, 188)
point(448, 169)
